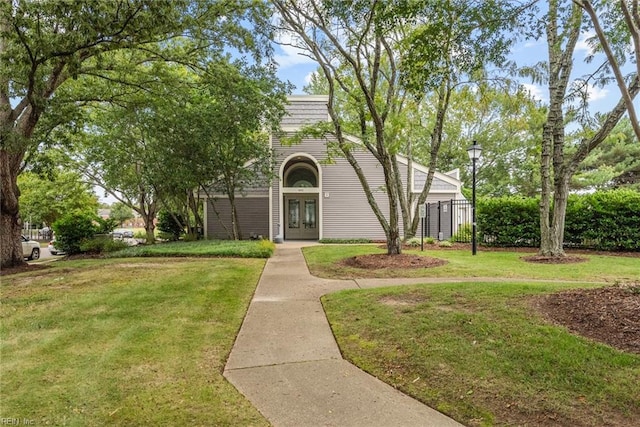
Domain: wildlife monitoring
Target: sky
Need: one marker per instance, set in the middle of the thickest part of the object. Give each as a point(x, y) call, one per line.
point(297, 69)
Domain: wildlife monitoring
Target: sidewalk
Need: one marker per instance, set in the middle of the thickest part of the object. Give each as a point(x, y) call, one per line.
point(287, 363)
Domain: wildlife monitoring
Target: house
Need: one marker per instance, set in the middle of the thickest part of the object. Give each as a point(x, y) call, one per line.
point(311, 198)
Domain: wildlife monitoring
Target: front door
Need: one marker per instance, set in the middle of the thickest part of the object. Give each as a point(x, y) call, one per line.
point(301, 217)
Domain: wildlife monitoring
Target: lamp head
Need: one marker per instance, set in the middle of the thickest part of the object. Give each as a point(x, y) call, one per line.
point(475, 151)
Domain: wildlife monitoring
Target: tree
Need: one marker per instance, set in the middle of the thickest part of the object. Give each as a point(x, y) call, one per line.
point(630, 26)
point(563, 26)
point(613, 164)
point(506, 122)
point(120, 212)
point(361, 48)
point(45, 44)
point(42, 45)
point(244, 103)
point(46, 200)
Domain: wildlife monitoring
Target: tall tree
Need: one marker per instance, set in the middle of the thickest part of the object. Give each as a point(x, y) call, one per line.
point(613, 164)
point(564, 23)
point(361, 48)
point(244, 102)
point(47, 43)
point(120, 212)
point(45, 200)
point(608, 18)
point(506, 122)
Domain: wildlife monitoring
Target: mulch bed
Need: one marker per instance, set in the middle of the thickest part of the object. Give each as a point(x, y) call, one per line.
point(379, 261)
point(610, 315)
point(568, 259)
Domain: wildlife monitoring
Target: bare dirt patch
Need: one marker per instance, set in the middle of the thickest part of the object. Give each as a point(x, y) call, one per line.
point(384, 261)
point(22, 269)
point(610, 315)
point(568, 259)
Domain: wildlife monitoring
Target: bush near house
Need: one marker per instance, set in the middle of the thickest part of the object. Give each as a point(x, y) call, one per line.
point(605, 220)
point(85, 233)
point(72, 229)
point(170, 225)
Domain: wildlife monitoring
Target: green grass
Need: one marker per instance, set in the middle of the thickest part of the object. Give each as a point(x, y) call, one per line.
point(323, 261)
point(202, 248)
point(479, 353)
point(125, 342)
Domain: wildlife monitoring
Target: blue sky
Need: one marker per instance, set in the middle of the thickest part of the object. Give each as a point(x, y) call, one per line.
point(297, 69)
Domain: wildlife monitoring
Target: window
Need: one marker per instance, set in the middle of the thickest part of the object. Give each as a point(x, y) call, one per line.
point(294, 213)
point(301, 176)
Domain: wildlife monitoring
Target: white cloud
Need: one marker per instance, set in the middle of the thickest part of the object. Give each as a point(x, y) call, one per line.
point(308, 77)
point(289, 56)
point(583, 45)
point(597, 93)
point(537, 92)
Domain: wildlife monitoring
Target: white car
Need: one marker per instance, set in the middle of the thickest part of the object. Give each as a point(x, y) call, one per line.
point(53, 250)
point(30, 249)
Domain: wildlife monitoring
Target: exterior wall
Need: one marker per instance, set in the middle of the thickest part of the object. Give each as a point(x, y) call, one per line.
point(304, 109)
point(420, 178)
point(346, 211)
point(343, 209)
point(253, 215)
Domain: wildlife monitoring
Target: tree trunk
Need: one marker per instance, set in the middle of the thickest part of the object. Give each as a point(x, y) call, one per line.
point(148, 216)
point(394, 243)
point(553, 239)
point(235, 226)
point(10, 224)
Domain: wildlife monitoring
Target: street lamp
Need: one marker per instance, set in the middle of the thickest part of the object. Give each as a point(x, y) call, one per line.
point(474, 154)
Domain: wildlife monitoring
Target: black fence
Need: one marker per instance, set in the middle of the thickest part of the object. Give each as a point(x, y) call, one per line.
point(449, 220)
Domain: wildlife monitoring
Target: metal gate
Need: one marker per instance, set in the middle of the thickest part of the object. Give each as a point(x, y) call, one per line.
point(449, 220)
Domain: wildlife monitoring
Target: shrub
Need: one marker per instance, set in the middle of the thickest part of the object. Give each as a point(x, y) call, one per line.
point(509, 221)
point(170, 225)
point(413, 242)
point(72, 229)
point(445, 244)
point(462, 234)
point(606, 220)
point(267, 247)
point(101, 244)
point(106, 226)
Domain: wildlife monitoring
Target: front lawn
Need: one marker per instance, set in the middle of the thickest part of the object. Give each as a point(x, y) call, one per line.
point(480, 353)
point(125, 342)
point(325, 261)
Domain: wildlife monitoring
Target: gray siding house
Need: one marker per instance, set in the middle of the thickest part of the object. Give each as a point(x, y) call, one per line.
point(312, 199)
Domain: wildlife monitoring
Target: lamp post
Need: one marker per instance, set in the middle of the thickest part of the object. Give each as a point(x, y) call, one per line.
point(474, 154)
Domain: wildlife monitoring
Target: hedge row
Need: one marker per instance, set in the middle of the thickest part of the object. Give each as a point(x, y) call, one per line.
point(608, 220)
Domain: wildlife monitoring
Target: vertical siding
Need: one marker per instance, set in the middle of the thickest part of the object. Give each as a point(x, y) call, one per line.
point(253, 215)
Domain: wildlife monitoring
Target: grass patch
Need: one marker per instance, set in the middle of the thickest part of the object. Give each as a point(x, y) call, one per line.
point(324, 261)
point(479, 353)
point(125, 342)
point(202, 248)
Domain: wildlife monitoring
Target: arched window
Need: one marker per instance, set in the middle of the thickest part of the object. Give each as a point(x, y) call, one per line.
point(301, 177)
point(300, 173)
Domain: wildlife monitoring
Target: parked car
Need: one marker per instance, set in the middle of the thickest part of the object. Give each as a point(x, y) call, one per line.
point(120, 234)
point(53, 250)
point(30, 249)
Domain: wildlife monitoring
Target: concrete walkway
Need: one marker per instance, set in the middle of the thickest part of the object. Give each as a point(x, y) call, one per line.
point(287, 363)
